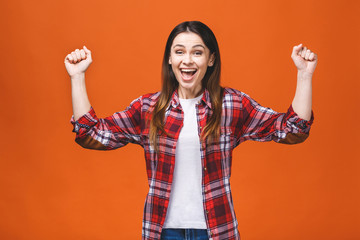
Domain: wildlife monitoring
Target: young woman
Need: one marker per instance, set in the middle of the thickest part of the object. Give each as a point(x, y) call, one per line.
point(188, 132)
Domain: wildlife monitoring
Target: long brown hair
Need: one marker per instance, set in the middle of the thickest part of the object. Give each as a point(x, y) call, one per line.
point(211, 82)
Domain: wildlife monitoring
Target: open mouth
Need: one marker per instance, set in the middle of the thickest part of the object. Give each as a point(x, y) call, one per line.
point(188, 73)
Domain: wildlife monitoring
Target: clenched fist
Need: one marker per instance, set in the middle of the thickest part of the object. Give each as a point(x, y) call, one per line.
point(78, 61)
point(304, 59)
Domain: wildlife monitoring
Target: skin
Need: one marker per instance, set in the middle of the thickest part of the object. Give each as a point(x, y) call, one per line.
point(305, 61)
point(78, 61)
point(76, 64)
point(188, 51)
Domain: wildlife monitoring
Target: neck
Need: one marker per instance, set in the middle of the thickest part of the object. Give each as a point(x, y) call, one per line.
point(189, 93)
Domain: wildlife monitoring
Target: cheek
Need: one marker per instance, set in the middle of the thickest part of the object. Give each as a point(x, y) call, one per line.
point(175, 60)
point(203, 66)
point(202, 63)
point(174, 68)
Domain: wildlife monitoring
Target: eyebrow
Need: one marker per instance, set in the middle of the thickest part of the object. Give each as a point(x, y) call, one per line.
point(198, 45)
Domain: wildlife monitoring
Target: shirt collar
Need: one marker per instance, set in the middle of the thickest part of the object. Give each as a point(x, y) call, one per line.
point(174, 102)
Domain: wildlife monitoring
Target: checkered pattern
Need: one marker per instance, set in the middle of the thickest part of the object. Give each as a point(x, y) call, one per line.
point(242, 119)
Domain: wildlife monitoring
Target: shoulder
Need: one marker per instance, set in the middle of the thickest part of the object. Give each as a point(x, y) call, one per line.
point(233, 94)
point(150, 97)
point(234, 98)
point(148, 100)
point(145, 101)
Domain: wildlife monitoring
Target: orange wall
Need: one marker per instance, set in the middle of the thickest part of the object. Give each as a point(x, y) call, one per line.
point(51, 188)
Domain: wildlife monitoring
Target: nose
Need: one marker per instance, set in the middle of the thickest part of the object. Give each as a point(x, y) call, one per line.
point(187, 59)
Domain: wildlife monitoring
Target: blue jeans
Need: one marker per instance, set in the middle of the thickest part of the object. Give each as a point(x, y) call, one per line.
point(184, 234)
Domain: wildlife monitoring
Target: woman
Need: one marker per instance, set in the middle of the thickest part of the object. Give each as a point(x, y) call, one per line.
point(196, 123)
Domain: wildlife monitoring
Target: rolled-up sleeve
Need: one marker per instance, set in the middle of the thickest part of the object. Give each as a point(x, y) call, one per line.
point(264, 124)
point(111, 132)
point(85, 122)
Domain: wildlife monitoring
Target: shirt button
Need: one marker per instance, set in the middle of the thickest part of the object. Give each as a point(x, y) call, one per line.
point(204, 168)
point(211, 233)
point(205, 191)
point(207, 211)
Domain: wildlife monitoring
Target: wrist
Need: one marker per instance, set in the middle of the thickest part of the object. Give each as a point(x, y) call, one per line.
point(78, 81)
point(78, 77)
point(303, 75)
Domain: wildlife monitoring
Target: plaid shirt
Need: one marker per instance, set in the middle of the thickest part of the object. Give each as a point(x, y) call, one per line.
point(242, 119)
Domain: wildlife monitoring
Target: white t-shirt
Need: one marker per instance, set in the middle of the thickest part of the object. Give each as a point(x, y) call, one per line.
point(186, 208)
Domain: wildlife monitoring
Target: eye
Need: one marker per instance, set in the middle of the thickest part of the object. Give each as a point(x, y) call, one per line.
point(179, 52)
point(198, 53)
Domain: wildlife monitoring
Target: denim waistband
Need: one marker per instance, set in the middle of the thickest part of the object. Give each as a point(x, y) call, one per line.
point(184, 234)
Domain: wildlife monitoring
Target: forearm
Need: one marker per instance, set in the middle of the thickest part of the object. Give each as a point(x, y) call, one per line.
point(80, 100)
point(302, 102)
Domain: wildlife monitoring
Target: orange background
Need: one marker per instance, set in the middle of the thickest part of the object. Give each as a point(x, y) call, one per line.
point(51, 188)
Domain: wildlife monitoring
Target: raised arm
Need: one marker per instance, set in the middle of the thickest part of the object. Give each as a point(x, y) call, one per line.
point(76, 64)
point(263, 124)
point(305, 60)
point(92, 132)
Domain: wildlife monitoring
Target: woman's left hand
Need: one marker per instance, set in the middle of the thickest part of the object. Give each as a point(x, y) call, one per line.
point(305, 60)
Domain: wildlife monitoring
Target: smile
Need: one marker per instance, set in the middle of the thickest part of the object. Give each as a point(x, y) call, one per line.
point(188, 73)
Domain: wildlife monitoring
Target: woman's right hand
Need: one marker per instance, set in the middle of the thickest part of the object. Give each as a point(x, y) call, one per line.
point(77, 62)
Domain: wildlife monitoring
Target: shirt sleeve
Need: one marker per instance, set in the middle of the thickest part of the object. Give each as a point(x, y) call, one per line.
point(264, 124)
point(111, 132)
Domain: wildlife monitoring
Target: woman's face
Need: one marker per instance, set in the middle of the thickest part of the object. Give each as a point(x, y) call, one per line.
point(189, 59)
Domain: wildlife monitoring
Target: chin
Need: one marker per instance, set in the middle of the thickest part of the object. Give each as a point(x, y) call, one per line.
point(187, 85)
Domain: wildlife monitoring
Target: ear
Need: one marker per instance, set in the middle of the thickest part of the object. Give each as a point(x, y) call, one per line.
point(169, 60)
point(211, 60)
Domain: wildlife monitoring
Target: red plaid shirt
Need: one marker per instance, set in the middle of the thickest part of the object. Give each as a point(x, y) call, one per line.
point(242, 119)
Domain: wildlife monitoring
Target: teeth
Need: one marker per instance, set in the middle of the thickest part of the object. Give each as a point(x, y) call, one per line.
point(188, 70)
